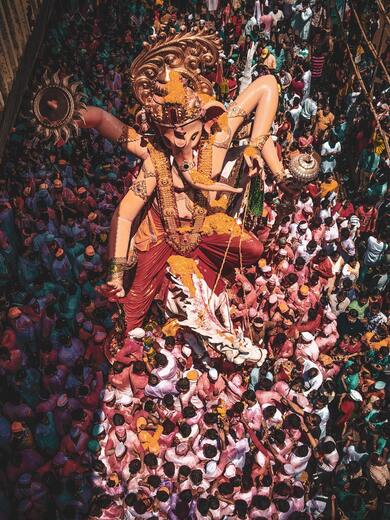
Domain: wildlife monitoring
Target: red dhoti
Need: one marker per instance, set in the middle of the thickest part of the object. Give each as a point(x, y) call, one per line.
point(151, 269)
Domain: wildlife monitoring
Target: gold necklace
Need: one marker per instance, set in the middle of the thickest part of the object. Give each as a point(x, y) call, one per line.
point(182, 240)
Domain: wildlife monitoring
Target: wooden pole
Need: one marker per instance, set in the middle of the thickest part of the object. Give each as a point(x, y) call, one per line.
point(376, 65)
point(370, 45)
point(362, 84)
point(359, 76)
point(384, 12)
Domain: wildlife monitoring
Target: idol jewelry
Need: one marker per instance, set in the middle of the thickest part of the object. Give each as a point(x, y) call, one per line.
point(128, 135)
point(139, 189)
point(236, 110)
point(259, 141)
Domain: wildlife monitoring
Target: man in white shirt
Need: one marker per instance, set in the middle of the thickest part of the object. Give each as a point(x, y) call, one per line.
point(331, 235)
point(249, 25)
point(300, 234)
point(309, 109)
point(329, 152)
point(375, 249)
point(330, 454)
point(307, 251)
point(277, 19)
point(295, 111)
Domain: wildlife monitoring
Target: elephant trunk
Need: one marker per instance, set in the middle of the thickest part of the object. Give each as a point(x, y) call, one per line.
point(214, 186)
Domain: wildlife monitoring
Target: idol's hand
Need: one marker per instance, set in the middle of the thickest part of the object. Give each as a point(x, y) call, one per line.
point(112, 290)
point(254, 161)
point(116, 287)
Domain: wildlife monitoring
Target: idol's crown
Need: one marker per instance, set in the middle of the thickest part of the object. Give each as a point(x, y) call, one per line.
point(167, 76)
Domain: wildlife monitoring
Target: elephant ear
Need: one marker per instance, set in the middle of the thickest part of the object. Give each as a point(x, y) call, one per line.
point(212, 110)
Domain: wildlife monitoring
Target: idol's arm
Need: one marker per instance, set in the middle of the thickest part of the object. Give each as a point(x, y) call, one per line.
point(261, 95)
point(121, 228)
point(112, 128)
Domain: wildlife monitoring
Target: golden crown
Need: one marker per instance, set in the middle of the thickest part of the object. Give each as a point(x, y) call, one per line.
point(167, 75)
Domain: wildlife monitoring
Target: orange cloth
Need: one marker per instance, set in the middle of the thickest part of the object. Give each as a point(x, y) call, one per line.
point(328, 187)
point(149, 441)
point(323, 122)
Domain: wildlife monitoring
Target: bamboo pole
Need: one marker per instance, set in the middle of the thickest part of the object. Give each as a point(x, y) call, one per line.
point(359, 76)
point(383, 10)
point(362, 84)
point(370, 45)
point(376, 64)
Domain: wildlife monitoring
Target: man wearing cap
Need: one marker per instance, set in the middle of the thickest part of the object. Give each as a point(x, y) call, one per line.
point(62, 415)
point(92, 226)
point(62, 196)
point(42, 198)
point(307, 347)
point(61, 268)
point(90, 261)
point(267, 59)
point(283, 244)
point(72, 249)
point(210, 385)
point(23, 326)
point(84, 203)
point(22, 437)
point(328, 367)
point(133, 347)
point(303, 300)
point(11, 359)
point(300, 233)
point(49, 248)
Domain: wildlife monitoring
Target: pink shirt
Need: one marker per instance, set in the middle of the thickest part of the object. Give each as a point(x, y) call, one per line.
point(253, 416)
point(190, 459)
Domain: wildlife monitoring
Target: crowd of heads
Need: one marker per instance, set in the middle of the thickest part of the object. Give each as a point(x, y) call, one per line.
point(165, 428)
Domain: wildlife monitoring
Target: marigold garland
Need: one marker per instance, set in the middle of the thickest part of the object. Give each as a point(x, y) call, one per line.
point(221, 224)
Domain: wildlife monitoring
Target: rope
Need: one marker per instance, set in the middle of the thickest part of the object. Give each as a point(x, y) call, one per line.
point(246, 199)
point(219, 274)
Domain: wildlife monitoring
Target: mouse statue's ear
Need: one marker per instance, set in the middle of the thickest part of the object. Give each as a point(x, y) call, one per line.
point(57, 107)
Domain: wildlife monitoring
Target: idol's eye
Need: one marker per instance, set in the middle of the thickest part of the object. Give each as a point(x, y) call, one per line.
point(194, 136)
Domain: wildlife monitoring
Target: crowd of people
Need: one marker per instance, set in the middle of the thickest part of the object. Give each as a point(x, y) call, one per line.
point(158, 431)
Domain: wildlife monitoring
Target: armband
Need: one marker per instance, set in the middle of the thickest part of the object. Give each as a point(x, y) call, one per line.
point(139, 189)
point(128, 135)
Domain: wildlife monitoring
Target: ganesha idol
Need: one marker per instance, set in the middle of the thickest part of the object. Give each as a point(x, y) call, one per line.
point(180, 225)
